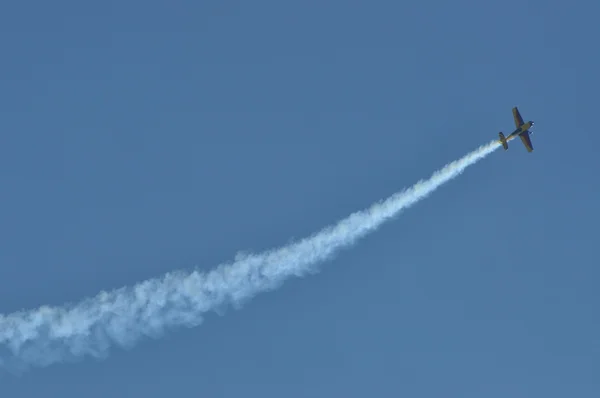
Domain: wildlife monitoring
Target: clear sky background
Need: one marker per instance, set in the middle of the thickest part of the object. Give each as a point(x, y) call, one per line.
point(140, 137)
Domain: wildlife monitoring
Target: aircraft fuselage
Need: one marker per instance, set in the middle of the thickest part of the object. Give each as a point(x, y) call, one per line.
point(522, 129)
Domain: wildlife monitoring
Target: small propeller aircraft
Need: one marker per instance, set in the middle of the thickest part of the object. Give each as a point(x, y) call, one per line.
point(522, 131)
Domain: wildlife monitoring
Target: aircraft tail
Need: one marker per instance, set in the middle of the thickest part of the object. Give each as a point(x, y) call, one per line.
point(503, 141)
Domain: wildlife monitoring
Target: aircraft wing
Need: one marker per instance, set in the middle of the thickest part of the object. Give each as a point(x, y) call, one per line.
point(526, 141)
point(517, 117)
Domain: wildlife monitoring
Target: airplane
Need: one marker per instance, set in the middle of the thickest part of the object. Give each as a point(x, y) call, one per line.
point(522, 131)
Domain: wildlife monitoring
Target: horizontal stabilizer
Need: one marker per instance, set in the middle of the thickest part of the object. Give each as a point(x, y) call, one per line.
point(503, 140)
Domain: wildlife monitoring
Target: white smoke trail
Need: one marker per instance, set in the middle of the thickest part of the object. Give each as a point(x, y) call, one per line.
point(121, 317)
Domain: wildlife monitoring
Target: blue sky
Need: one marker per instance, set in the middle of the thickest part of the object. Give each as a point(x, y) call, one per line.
point(143, 137)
